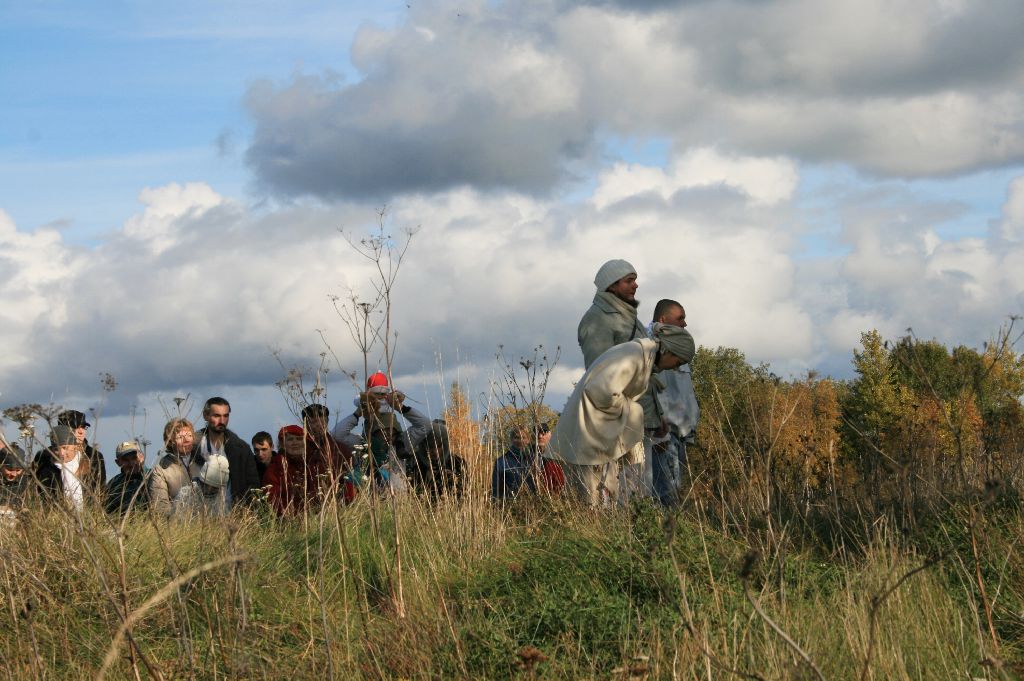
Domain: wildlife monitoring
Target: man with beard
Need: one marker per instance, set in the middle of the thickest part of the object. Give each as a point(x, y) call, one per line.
point(611, 320)
point(216, 440)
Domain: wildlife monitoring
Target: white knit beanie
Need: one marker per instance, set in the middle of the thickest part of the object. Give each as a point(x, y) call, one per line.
point(611, 272)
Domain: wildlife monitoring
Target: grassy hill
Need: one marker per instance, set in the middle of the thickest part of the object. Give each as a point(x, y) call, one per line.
point(401, 589)
point(866, 529)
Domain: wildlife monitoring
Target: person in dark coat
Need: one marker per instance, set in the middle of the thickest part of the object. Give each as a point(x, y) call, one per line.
point(521, 469)
point(65, 473)
point(215, 439)
point(129, 488)
point(75, 420)
point(15, 485)
point(434, 469)
point(263, 450)
point(336, 458)
point(297, 477)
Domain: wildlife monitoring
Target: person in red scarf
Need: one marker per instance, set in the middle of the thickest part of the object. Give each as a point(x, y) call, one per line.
point(336, 456)
point(297, 476)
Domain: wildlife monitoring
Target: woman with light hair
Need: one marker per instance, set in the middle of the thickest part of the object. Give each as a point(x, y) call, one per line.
point(176, 468)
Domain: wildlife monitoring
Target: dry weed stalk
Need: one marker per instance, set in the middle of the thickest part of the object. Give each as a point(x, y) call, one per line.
point(154, 600)
point(697, 635)
point(876, 604)
point(745, 571)
point(386, 255)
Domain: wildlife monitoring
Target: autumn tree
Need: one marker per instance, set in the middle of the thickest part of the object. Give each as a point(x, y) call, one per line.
point(464, 432)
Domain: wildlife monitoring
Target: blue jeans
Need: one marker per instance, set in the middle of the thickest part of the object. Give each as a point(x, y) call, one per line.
point(667, 467)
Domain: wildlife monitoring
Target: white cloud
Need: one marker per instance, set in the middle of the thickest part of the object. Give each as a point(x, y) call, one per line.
point(164, 205)
point(522, 94)
point(227, 283)
point(195, 289)
point(34, 286)
point(899, 274)
point(844, 330)
point(1013, 212)
point(767, 181)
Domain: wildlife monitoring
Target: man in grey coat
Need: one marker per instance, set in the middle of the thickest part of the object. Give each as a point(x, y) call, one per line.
point(612, 318)
point(672, 422)
point(610, 321)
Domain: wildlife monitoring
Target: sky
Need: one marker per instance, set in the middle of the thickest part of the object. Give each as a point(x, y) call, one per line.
point(181, 188)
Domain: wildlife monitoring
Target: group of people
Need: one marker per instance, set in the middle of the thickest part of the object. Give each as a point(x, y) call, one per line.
point(623, 431)
point(625, 427)
point(211, 470)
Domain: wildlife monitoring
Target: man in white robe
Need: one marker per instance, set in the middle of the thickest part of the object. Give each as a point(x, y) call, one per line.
point(602, 419)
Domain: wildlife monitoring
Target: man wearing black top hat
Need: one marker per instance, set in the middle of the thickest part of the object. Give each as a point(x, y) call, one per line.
point(75, 420)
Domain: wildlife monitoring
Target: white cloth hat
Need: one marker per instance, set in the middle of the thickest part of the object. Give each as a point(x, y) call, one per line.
point(215, 472)
point(611, 272)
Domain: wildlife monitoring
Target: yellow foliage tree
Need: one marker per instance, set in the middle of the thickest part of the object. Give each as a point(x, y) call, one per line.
point(464, 432)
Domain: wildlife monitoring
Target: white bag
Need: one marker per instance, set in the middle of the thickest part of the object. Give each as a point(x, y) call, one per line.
point(394, 470)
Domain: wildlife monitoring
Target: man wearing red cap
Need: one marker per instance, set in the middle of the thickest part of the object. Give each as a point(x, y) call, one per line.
point(389, 445)
point(378, 382)
point(375, 399)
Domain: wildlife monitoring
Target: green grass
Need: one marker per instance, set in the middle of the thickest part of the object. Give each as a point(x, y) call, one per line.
point(597, 594)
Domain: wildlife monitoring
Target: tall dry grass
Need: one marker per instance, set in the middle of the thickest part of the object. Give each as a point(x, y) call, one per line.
point(542, 589)
point(793, 555)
